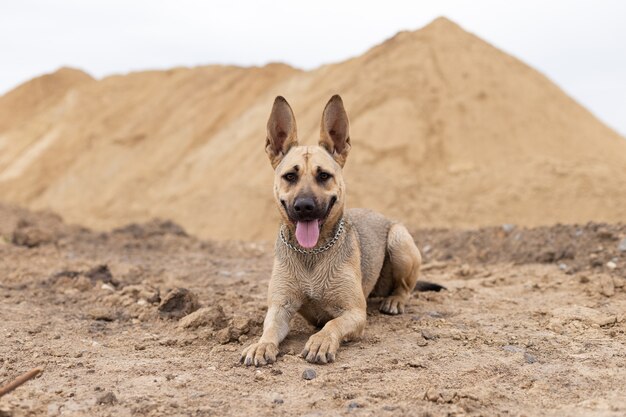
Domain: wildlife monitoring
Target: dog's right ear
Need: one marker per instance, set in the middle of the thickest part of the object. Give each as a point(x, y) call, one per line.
point(281, 131)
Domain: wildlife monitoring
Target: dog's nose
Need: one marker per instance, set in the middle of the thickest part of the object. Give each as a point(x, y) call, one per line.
point(304, 205)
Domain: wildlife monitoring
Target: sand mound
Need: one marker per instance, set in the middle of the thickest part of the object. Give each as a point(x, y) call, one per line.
point(446, 131)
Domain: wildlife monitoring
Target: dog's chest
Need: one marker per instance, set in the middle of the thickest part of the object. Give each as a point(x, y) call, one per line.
point(316, 282)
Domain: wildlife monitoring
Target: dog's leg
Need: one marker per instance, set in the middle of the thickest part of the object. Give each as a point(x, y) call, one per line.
point(275, 329)
point(283, 302)
point(405, 261)
point(322, 346)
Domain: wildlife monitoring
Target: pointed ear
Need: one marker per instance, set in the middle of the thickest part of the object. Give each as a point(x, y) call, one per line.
point(335, 130)
point(281, 131)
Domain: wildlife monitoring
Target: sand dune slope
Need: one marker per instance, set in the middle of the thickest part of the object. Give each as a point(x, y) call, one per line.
point(446, 130)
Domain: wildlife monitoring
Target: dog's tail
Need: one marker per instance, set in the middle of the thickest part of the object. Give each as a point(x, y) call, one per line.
point(428, 286)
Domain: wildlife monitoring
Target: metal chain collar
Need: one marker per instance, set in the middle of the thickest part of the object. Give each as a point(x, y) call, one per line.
point(314, 251)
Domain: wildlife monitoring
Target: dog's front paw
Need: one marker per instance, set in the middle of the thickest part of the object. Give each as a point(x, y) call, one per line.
point(259, 354)
point(320, 348)
point(394, 304)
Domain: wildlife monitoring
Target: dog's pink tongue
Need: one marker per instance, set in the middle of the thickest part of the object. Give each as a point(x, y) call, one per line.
point(307, 233)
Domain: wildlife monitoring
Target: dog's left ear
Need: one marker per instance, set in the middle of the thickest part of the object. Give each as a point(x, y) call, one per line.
point(335, 130)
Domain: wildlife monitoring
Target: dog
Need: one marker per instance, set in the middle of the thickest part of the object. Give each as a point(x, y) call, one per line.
point(328, 260)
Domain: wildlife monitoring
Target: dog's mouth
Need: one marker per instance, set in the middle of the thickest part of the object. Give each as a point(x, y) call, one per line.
point(308, 230)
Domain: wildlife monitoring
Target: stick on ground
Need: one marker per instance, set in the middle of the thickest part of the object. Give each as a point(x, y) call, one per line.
point(19, 381)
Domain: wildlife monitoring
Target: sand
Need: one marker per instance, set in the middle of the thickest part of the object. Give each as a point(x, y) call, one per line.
point(446, 130)
point(533, 324)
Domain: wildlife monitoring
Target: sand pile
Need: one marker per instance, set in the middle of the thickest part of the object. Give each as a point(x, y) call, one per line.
point(446, 130)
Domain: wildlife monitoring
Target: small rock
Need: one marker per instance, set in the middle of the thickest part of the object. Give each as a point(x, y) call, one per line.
point(529, 358)
point(511, 348)
point(178, 303)
point(622, 245)
point(428, 335)
point(354, 405)
point(563, 266)
point(278, 400)
point(309, 374)
point(417, 364)
point(447, 396)
point(107, 398)
point(101, 313)
point(607, 286)
point(205, 317)
point(611, 265)
point(431, 395)
point(421, 342)
point(508, 228)
point(108, 287)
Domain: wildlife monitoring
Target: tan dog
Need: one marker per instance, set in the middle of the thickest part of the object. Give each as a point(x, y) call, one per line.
point(328, 261)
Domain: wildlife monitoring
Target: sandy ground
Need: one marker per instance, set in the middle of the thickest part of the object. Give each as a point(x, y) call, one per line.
point(533, 323)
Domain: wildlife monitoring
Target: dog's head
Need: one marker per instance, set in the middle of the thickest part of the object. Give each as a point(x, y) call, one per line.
point(308, 181)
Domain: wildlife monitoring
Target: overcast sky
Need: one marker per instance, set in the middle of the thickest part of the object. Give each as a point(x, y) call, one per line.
point(581, 45)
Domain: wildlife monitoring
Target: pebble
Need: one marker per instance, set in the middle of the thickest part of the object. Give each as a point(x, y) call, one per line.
point(529, 358)
point(508, 228)
point(428, 335)
point(511, 348)
point(611, 265)
point(309, 374)
point(622, 245)
point(108, 287)
point(354, 405)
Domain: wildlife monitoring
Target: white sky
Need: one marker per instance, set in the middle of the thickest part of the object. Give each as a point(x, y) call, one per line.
point(581, 45)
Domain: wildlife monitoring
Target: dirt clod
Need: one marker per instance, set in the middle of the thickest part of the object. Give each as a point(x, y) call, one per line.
point(108, 398)
point(101, 273)
point(101, 313)
point(178, 303)
point(212, 317)
point(31, 236)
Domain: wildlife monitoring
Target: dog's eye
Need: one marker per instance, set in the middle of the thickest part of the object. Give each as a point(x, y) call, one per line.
point(290, 177)
point(323, 176)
